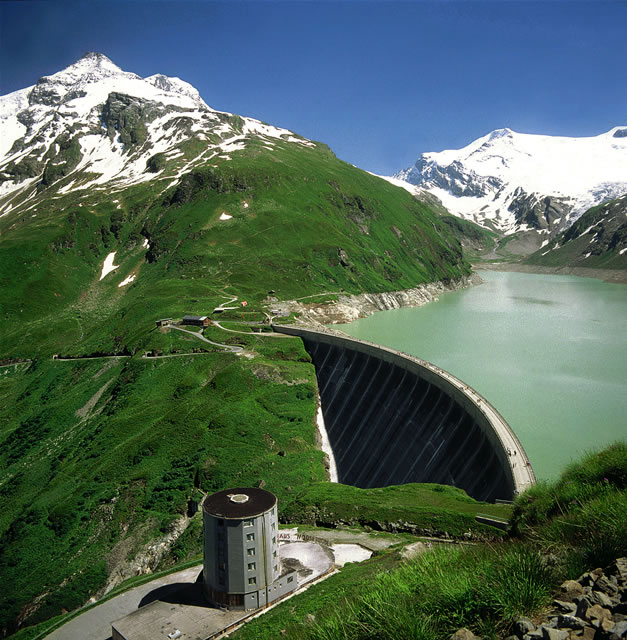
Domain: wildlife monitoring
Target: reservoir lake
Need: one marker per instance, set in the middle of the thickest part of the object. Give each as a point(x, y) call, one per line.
point(549, 352)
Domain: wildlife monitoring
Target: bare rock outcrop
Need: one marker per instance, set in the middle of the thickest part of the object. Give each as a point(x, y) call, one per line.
point(351, 307)
point(593, 607)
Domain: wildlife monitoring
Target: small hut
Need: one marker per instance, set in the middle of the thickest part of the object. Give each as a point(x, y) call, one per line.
point(197, 321)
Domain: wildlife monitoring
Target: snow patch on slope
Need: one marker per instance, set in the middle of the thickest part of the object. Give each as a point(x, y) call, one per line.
point(127, 280)
point(108, 265)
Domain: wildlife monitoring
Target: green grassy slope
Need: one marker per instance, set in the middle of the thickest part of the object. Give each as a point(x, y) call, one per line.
point(424, 508)
point(474, 239)
point(99, 458)
point(563, 529)
point(302, 222)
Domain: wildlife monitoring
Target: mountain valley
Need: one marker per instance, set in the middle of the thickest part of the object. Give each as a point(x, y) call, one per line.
point(127, 200)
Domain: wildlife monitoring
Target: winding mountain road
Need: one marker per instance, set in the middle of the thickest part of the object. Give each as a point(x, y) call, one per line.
point(228, 347)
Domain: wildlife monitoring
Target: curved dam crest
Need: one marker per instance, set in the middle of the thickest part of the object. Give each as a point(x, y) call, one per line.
point(392, 419)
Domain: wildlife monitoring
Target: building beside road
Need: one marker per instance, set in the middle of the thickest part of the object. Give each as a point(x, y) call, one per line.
point(241, 573)
point(197, 321)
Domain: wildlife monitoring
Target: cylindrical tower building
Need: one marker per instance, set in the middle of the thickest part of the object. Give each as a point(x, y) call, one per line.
point(241, 567)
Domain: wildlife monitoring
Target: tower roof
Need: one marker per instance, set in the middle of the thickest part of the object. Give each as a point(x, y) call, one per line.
point(239, 503)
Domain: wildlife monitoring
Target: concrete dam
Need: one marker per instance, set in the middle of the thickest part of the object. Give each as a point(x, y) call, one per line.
point(394, 419)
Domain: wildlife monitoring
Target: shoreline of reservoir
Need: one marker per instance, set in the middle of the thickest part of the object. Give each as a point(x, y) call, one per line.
point(613, 276)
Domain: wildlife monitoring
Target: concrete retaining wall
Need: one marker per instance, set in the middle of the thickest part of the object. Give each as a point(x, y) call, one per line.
point(393, 419)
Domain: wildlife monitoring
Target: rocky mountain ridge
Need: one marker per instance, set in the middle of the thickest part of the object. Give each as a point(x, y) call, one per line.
point(597, 239)
point(93, 125)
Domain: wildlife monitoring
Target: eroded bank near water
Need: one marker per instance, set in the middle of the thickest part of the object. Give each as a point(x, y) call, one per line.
point(549, 352)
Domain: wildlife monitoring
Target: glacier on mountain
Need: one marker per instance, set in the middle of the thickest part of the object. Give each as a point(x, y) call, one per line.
point(512, 181)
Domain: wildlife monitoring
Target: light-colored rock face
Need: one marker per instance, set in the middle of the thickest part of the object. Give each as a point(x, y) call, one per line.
point(352, 307)
point(513, 182)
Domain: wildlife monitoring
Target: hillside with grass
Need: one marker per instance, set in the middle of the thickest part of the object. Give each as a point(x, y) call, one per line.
point(296, 221)
point(105, 458)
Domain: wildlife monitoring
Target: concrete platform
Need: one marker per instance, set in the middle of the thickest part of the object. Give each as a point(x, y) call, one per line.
point(309, 559)
point(158, 619)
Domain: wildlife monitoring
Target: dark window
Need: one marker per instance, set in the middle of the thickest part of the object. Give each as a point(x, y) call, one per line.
point(290, 579)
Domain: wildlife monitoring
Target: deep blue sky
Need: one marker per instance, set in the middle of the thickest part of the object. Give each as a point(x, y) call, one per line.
point(380, 82)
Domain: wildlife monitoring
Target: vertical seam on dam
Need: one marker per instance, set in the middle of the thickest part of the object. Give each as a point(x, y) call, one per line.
point(392, 418)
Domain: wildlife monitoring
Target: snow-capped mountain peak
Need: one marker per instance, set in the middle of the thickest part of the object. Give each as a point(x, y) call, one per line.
point(93, 124)
point(90, 67)
point(516, 181)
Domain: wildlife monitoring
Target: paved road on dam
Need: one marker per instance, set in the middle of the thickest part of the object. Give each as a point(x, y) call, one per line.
point(520, 465)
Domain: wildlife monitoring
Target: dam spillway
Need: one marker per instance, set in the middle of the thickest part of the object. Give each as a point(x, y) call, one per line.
point(393, 419)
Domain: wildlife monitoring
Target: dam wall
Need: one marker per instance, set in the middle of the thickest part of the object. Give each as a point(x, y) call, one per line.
point(392, 418)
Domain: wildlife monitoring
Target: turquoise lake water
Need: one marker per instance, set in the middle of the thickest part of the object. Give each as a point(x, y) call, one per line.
point(549, 352)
